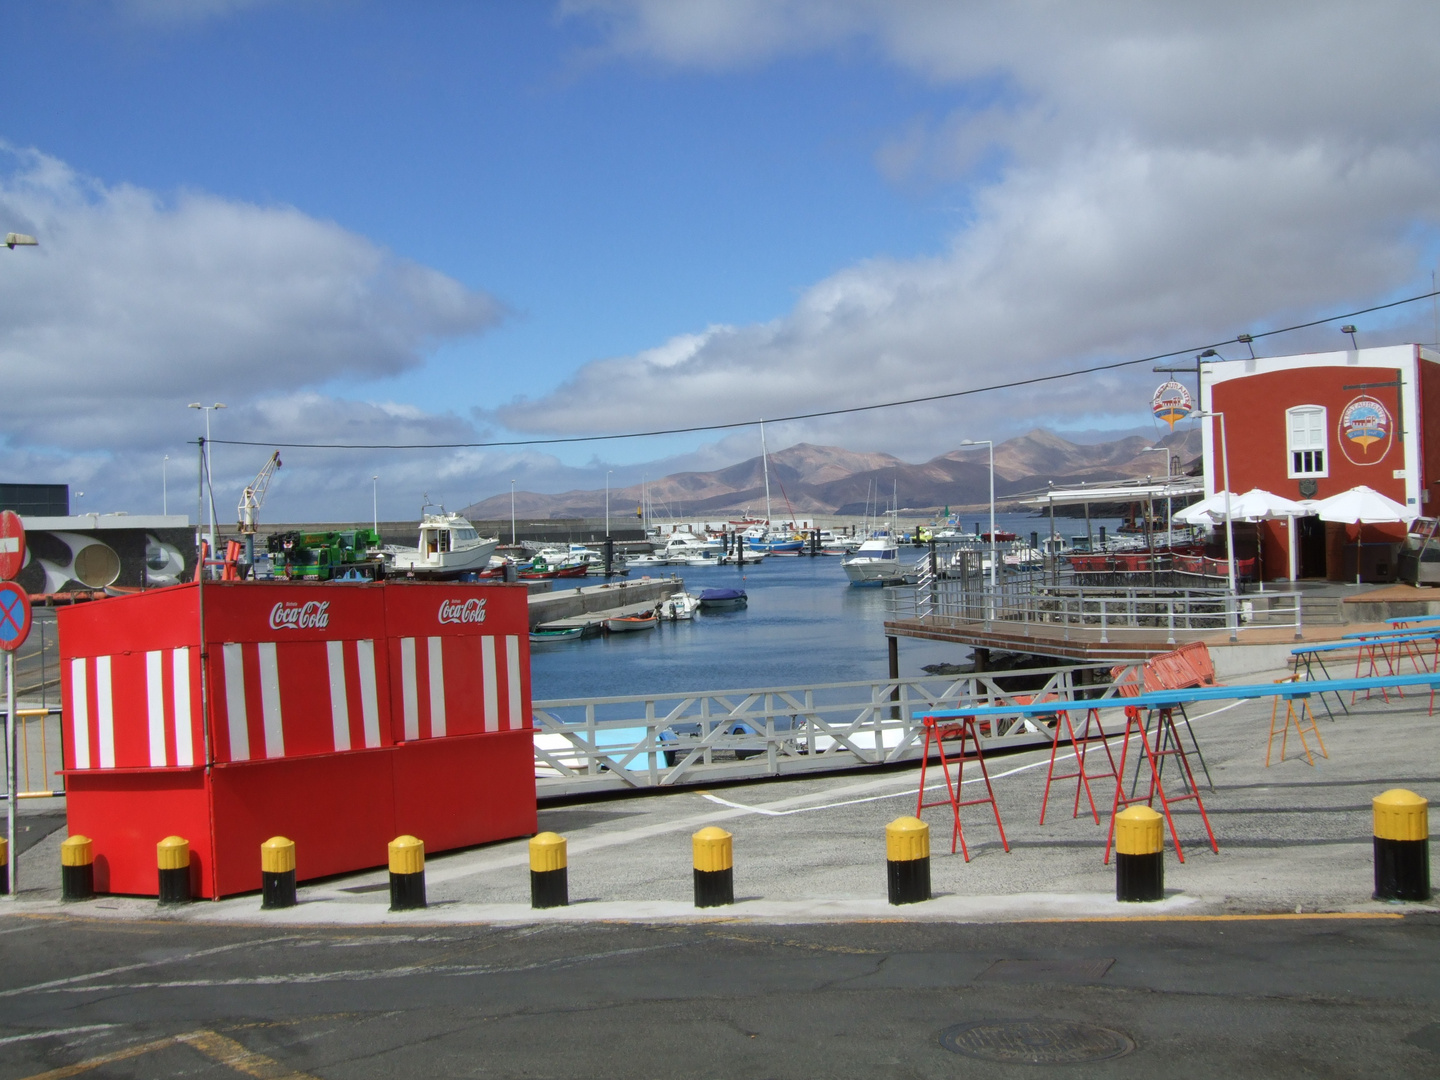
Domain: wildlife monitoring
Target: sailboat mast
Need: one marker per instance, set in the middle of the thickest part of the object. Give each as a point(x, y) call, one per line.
point(765, 460)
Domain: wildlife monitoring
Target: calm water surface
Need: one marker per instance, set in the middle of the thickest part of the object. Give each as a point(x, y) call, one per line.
point(804, 624)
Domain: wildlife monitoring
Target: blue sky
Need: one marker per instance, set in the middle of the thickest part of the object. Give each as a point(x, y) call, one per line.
point(610, 207)
point(368, 222)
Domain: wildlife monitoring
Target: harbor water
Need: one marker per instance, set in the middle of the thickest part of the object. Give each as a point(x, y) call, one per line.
point(804, 625)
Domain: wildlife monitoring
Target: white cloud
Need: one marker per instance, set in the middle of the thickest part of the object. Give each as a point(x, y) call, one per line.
point(1155, 177)
point(135, 304)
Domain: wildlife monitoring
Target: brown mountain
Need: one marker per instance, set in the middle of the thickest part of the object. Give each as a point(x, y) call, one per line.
point(830, 480)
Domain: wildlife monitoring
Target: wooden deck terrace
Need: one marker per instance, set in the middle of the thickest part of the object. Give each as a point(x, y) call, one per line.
point(1083, 645)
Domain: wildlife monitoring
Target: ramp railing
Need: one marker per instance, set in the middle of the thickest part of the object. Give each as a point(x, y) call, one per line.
point(669, 740)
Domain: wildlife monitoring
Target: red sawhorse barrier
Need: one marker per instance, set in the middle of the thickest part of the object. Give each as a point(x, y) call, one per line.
point(1167, 744)
point(1081, 745)
point(937, 734)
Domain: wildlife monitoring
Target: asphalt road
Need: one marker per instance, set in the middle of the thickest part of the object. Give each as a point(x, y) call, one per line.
point(1315, 997)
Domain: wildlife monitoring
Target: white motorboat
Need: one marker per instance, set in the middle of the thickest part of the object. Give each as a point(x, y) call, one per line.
point(678, 606)
point(875, 562)
point(646, 561)
point(680, 547)
point(449, 546)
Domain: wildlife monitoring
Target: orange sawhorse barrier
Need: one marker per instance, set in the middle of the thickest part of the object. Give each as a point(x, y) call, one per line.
point(1081, 745)
point(939, 734)
point(1293, 717)
point(1165, 736)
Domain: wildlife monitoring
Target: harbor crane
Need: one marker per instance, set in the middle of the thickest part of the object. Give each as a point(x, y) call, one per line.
point(251, 499)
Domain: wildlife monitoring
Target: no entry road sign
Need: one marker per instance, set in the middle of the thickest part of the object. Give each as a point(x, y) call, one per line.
point(14, 616)
point(12, 544)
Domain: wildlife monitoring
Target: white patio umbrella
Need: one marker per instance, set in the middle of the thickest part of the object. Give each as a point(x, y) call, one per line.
point(1257, 504)
point(1207, 511)
point(1362, 506)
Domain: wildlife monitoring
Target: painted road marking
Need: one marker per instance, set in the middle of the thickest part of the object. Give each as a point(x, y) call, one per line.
point(219, 1048)
point(53, 983)
point(55, 1034)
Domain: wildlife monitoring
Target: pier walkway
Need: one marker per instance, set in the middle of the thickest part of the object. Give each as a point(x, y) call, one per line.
point(812, 849)
point(590, 605)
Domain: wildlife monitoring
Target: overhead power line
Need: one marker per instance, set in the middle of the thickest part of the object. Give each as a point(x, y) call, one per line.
point(950, 395)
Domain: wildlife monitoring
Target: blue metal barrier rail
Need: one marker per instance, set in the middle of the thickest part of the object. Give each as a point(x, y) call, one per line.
point(1167, 699)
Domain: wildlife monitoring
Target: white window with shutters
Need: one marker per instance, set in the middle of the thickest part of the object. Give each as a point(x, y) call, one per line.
point(1305, 441)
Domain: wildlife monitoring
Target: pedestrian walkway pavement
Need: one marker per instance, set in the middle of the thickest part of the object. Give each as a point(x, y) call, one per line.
point(1293, 838)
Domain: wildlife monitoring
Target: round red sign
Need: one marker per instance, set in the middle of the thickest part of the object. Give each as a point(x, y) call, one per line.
point(12, 544)
point(14, 616)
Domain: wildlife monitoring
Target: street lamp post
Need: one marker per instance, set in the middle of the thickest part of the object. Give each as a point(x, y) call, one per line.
point(375, 501)
point(607, 501)
point(12, 746)
point(512, 513)
point(993, 554)
point(1229, 525)
point(165, 485)
point(209, 476)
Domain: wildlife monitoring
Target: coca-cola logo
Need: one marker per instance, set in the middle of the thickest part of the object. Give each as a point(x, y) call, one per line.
point(290, 615)
point(462, 611)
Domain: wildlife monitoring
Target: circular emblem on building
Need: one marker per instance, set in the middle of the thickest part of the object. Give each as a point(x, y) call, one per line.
point(1171, 402)
point(1366, 431)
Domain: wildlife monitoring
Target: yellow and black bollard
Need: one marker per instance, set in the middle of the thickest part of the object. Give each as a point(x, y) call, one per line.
point(1139, 855)
point(4, 867)
point(1402, 846)
point(277, 873)
point(549, 873)
point(907, 860)
point(714, 867)
point(407, 873)
point(173, 857)
point(77, 868)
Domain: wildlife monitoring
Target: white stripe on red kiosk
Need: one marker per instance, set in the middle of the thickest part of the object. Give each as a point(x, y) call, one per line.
point(340, 716)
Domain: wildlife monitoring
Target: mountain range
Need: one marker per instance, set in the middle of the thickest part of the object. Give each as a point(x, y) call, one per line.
point(809, 479)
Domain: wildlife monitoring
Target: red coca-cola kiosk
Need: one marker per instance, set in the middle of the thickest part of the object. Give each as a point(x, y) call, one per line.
point(339, 715)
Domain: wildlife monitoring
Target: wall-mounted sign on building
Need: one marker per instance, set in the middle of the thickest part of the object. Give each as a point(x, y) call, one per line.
point(1171, 402)
point(1366, 430)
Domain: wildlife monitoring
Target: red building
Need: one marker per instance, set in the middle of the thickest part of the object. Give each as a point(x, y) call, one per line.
point(1314, 425)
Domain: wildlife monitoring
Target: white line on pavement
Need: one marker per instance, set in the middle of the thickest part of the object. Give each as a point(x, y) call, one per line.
point(58, 1031)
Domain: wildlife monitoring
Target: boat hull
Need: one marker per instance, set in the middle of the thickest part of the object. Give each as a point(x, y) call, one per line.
point(629, 624)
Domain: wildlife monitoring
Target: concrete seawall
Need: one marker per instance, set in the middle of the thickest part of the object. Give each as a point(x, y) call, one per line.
point(598, 599)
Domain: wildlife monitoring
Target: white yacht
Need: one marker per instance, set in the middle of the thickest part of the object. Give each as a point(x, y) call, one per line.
point(449, 546)
point(875, 562)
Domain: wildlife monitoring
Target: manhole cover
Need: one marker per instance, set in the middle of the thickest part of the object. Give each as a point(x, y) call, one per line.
point(1035, 1042)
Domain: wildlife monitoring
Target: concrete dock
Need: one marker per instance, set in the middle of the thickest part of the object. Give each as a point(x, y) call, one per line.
point(590, 605)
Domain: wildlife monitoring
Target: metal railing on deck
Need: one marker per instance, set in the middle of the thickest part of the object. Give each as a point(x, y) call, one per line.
point(1025, 604)
point(667, 740)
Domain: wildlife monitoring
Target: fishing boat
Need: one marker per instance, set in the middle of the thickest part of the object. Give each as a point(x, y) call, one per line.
point(554, 637)
point(775, 545)
point(875, 562)
point(723, 599)
point(625, 624)
point(678, 607)
point(449, 546)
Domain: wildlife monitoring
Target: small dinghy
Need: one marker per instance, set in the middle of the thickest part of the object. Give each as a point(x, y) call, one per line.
point(624, 624)
point(551, 637)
